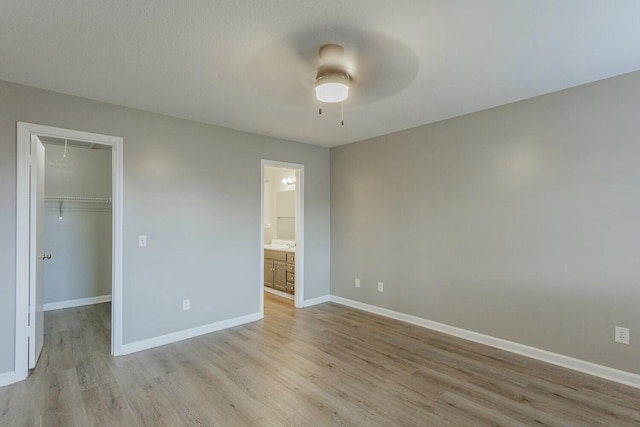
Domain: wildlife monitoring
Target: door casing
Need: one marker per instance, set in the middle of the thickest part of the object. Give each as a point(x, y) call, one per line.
point(24, 231)
point(299, 267)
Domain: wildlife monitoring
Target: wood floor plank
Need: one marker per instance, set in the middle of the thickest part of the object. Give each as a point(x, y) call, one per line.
point(322, 365)
point(106, 406)
point(480, 412)
point(187, 400)
point(63, 404)
point(92, 366)
point(20, 404)
point(149, 406)
point(230, 406)
point(56, 353)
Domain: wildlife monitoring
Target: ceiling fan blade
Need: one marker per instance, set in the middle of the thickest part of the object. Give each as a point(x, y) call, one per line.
point(279, 72)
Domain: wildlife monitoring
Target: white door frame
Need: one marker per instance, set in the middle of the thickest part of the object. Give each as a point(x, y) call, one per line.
point(299, 277)
point(23, 232)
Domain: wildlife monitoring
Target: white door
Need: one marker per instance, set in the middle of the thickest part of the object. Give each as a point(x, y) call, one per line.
point(37, 256)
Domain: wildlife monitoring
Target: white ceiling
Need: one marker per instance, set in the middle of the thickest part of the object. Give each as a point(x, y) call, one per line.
point(250, 65)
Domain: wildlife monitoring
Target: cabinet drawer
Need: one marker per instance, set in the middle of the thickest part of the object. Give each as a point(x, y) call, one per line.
point(291, 268)
point(276, 255)
point(291, 277)
point(291, 258)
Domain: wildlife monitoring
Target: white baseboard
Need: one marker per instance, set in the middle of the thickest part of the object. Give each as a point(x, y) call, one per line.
point(187, 333)
point(7, 378)
point(76, 302)
point(315, 301)
point(623, 377)
point(279, 293)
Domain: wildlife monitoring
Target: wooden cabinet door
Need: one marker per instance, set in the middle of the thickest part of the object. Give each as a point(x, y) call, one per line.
point(280, 275)
point(268, 273)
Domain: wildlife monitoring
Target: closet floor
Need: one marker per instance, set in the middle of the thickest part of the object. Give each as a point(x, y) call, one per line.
point(322, 365)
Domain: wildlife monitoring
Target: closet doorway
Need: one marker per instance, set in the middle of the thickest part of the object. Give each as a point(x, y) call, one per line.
point(282, 231)
point(69, 223)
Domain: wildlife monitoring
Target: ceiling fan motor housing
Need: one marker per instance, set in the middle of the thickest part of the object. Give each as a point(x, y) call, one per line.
point(332, 79)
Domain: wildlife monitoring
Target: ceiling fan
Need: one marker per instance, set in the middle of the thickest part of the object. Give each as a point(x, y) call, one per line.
point(335, 65)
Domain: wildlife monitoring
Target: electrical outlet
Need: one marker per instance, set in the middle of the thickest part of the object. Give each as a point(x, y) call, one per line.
point(357, 281)
point(186, 304)
point(380, 287)
point(622, 335)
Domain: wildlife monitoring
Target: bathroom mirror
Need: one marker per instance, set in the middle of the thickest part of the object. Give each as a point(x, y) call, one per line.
point(286, 215)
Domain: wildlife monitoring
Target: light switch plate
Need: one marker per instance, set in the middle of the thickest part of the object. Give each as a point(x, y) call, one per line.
point(142, 240)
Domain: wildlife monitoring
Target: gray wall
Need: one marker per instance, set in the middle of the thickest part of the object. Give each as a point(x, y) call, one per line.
point(203, 233)
point(80, 241)
point(521, 222)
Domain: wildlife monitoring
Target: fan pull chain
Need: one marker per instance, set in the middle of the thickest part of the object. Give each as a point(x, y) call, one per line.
point(65, 149)
point(341, 112)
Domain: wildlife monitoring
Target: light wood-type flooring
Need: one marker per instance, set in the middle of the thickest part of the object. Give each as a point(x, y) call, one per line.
point(322, 365)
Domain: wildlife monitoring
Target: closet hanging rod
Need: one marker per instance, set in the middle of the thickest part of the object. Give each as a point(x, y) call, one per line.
point(78, 199)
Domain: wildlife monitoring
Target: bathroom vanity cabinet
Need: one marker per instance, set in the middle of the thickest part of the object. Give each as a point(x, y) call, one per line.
point(279, 270)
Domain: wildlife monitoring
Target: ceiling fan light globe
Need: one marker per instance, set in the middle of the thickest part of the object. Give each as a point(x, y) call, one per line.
point(332, 92)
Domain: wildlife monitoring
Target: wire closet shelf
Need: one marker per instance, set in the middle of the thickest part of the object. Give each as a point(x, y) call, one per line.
point(75, 200)
point(78, 199)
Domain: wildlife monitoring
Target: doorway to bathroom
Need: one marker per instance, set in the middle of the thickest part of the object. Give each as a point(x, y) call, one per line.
point(282, 239)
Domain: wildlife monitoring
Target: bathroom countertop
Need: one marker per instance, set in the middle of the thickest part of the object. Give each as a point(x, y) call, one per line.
point(282, 248)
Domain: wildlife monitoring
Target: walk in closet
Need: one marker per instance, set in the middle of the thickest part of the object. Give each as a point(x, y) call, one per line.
point(78, 221)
